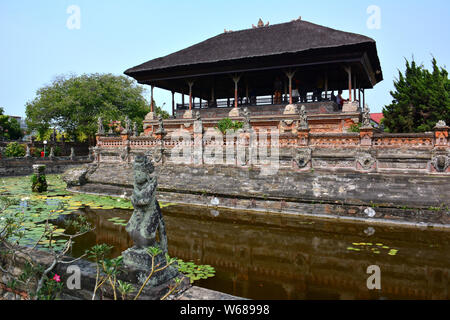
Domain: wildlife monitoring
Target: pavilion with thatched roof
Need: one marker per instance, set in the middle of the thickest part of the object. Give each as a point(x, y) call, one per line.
point(248, 67)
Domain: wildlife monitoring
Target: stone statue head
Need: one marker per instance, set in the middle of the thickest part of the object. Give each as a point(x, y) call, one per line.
point(143, 168)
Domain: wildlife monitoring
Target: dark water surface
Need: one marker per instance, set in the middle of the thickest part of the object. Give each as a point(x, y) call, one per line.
point(272, 256)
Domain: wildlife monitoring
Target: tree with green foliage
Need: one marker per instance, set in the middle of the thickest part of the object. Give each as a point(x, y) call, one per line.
point(420, 100)
point(9, 127)
point(74, 103)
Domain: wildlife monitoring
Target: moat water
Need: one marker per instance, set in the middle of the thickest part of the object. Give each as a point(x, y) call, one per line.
point(273, 256)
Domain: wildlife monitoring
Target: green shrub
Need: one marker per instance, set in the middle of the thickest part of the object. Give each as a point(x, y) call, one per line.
point(15, 150)
point(355, 127)
point(227, 124)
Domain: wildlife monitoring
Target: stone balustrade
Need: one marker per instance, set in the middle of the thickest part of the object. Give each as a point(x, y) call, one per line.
point(300, 149)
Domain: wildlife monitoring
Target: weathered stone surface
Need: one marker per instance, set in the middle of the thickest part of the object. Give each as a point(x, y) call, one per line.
point(23, 166)
point(289, 191)
point(76, 176)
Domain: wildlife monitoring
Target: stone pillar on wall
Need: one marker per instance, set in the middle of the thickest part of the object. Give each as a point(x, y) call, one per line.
point(441, 135)
point(440, 161)
point(198, 139)
point(366, 135)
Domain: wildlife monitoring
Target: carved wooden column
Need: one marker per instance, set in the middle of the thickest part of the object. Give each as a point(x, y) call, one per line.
point(290, 75)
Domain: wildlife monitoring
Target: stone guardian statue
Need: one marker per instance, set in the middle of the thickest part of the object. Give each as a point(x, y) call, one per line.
point(146, 227)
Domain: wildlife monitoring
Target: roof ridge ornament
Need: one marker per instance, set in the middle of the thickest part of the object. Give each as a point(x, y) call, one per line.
point(260, 24)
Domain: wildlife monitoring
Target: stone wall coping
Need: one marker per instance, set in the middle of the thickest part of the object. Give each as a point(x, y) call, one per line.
point(404, 135)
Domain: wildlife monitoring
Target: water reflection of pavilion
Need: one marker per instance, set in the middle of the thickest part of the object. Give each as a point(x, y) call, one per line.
point(267, 256)
point(266, 68)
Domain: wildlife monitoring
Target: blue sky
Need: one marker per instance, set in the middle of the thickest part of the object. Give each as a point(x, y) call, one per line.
point(36, 44)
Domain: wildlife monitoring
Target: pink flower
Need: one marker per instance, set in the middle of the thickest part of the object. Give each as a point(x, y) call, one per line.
point(57, 278)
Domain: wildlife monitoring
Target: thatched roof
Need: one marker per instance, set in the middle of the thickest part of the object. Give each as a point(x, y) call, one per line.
point(286, 38)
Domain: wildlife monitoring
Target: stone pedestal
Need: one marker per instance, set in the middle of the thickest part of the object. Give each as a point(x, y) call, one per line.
point(188, 115)
point(290, 109)
point(350, 106)
point(234, 113)
point(150, 116)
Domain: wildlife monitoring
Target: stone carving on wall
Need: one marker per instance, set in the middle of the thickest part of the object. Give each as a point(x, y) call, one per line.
point(366, 160)
point(125, 153)
point(198, 123)
point(100, 128)
point(441, 162)
point(246, 114)
point(291, 109)
point(72, 153)
point(302, 156)
point(160, 125)
point(155, 154)
point(146, 227)
point(366, 119)
point(303, 119)
point(127, 125)
point(135, 130)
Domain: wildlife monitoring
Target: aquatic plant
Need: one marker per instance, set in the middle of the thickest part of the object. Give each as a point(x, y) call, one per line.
point(195, 272)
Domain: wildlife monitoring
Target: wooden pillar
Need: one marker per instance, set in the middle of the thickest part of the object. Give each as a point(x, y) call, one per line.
point(326, 86)
point(354, 87)
point(285, 90)
point(190, 83)
point(359, 96)
point(173, 104)
point(290, 75)
point(236, 79)
point(349, 73)
point(364, 98)
point(182, 98)
point(246, 93)
point(151, 99)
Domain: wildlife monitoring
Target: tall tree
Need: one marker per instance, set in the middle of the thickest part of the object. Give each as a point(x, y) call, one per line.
point(421, 98)
point(74, 103)
point(9, 127)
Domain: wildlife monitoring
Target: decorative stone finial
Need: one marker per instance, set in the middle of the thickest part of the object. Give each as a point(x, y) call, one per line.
point(100, 128)
point(440, 124)
point(28, 152)
point(52, 153)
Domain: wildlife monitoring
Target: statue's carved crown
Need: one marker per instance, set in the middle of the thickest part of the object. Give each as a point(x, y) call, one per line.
point(142, 163)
